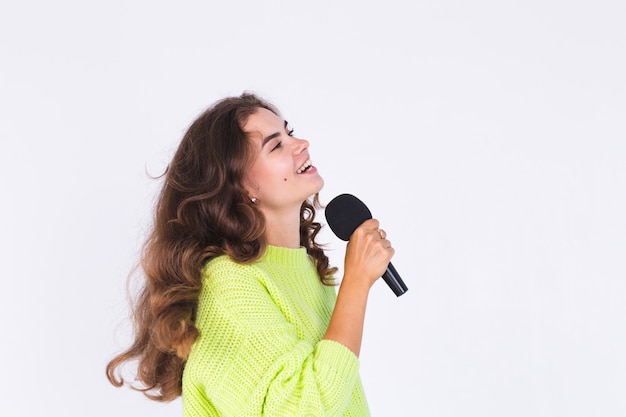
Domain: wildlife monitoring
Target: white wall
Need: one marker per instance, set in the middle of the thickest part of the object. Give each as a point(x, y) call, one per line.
point(488, 137)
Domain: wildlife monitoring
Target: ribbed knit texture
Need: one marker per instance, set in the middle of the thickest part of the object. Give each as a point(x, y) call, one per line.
point(260, 350)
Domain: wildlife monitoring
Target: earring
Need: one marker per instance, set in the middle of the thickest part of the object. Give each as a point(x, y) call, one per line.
point(253, 199)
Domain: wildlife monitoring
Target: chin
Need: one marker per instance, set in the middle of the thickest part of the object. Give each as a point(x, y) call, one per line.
point(320, 186)
point(314, 186)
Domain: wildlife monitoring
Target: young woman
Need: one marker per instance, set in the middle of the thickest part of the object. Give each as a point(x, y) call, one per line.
point(239, 313)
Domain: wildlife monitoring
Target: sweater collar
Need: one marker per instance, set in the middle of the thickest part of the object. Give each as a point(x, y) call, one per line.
point(288, 257)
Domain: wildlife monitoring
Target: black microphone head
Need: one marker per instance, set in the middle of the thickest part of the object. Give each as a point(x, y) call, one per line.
point(344, 214)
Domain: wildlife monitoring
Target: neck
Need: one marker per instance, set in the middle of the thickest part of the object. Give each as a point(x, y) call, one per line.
point(283, 229)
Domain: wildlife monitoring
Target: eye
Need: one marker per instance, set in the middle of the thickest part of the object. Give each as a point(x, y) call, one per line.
point(278, 145)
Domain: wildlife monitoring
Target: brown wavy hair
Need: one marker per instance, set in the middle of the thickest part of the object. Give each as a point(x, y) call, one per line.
point(202, 211)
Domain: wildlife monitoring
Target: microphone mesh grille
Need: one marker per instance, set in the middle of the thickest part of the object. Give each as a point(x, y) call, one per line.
point(345, 213)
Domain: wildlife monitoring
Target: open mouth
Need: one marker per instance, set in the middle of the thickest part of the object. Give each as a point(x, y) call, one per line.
point(305, 167)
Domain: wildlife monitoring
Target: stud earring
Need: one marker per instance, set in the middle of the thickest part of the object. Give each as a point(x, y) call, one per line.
point(253, 199)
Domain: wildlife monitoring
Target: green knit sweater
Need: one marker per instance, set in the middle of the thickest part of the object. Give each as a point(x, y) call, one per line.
point(260, 350)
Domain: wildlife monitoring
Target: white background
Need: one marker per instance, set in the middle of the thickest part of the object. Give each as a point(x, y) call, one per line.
point(489, 137)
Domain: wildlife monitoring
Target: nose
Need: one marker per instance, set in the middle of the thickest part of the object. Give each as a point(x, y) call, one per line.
point(301, 145)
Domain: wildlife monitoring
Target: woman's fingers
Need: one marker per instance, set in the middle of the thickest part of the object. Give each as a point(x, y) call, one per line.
point(368, 253)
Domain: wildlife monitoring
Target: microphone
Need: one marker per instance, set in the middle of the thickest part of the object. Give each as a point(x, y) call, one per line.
point(344, 214)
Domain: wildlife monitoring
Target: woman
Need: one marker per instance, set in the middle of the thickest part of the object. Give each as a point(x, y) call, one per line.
point(239, 313)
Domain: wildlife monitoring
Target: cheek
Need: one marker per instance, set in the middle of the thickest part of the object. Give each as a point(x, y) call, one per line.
point(252, 178)
point(265, 176)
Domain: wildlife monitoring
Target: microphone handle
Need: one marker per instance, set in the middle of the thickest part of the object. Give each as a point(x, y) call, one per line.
point(392, 278)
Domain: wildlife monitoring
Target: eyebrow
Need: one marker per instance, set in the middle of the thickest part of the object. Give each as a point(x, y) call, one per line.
point(272, 136)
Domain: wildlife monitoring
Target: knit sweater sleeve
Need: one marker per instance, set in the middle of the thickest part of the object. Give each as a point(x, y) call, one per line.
point(250, 359)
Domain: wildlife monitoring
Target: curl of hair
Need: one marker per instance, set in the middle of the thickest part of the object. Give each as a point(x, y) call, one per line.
point(202, 211)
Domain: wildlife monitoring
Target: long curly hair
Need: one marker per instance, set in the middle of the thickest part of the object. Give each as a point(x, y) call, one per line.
point(202, 211)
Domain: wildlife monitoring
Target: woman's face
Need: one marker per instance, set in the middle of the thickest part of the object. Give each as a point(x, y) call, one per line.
point(281, 175)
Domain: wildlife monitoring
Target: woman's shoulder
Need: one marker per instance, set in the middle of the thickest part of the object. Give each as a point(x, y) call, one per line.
point(224, 262)
point(223, 270)
point(235, 289)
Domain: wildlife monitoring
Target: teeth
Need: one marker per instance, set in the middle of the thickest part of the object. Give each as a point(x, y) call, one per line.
point(304, 167)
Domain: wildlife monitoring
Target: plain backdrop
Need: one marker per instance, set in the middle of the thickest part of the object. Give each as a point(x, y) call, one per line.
point(488, 137)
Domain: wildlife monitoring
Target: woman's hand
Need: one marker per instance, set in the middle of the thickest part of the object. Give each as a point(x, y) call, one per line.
point(368, 254)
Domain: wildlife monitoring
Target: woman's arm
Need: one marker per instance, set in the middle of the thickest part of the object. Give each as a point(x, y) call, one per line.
point(367, 257)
